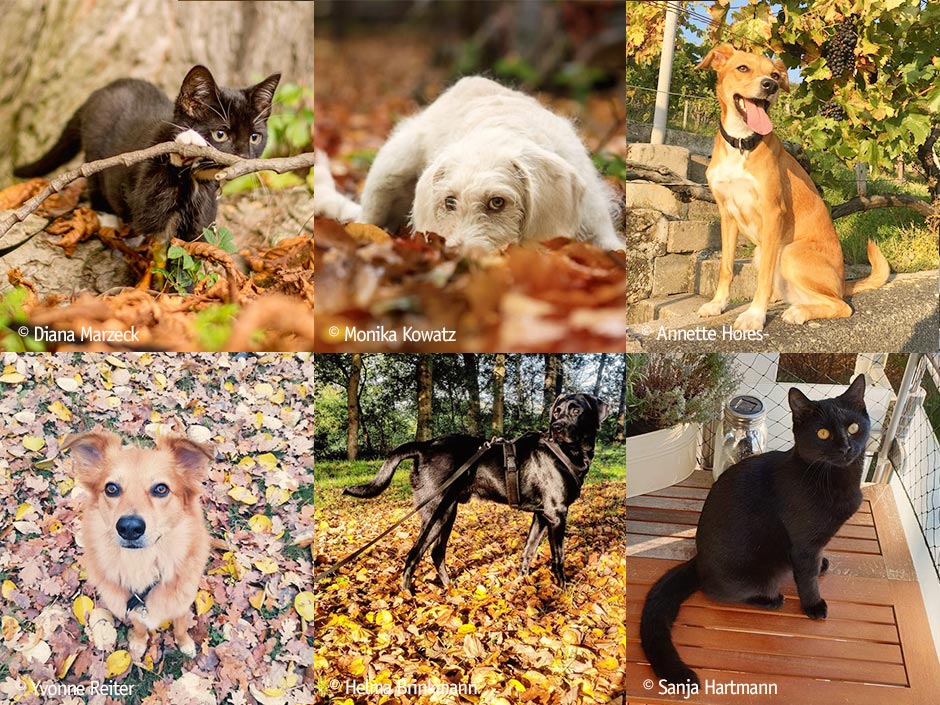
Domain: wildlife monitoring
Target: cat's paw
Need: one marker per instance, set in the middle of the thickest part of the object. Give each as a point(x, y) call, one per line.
point(769, 603)
point(823, 566)
point(187, 137)
point(818, 611)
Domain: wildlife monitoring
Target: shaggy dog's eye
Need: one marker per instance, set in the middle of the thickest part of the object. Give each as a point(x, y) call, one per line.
point(255, 137)
point(775, 75)
point(823, 434)
point(496, 203)
point(743, 69)
point(112, 489)
point(853, 428)
point(219, 135)
point(160, 490)
point(450, 203)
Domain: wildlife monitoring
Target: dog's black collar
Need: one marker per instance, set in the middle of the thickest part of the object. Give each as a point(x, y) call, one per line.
point(139, 599)
point(745, 144)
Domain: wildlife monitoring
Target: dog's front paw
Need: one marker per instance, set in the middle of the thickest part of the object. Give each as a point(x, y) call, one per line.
point(187, 137)
point(137, 645)
point(712, 308)
point(796, 315)
point(752, 319)
point(818, 611)
point(187, 645)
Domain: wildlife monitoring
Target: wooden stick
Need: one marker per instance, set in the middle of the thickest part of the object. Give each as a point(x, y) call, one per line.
point(236, 167)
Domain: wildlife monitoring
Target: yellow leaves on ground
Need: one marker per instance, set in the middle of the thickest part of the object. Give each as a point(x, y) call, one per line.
point(466, 629)
point(276, 496)
point(66, 665)
point(33, 443)
point(266, 565)
point(12, 377)
point(243, 495)
point(22, 510)
point(204, 602)
point(257, 599)
point(260, 524)
point(357, 667)
point(61, 411)
point(303, 603)
point(118, 663)
point(383, 617)
point(82, 607)
point(69, 384)
point(7, 589)
point(267, 460)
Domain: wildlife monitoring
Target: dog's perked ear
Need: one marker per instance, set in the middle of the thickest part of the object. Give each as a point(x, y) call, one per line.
point(89, 451)
point(553, 190)
point(603, 408)
point(190, 457)
point(717, 57)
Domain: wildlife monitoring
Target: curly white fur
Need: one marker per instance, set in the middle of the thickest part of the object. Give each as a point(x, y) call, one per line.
point(485, 166)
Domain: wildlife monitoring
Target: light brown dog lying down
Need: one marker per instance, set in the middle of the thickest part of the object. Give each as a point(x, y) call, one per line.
point(763, 193)
point(143, 530)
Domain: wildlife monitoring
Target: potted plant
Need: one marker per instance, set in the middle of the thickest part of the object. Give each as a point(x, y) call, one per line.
point(669, 397)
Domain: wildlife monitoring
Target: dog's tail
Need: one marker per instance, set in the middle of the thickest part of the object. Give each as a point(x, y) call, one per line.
point(659, 612)
point(67, 146)
point(880, 271)
point(383, 479)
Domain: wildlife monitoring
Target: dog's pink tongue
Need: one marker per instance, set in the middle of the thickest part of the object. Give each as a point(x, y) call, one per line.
point(757, 118)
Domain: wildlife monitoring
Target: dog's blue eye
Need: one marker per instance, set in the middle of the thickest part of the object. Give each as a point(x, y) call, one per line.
point(112, 489)
point(160, 490)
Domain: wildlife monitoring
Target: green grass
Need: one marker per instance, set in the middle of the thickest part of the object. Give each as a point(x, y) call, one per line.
point(333, 475)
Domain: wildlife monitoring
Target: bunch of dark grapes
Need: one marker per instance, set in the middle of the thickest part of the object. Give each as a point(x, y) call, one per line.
point(840, 50)
point(832, 109)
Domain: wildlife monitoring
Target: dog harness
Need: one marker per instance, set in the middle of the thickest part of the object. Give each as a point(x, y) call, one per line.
point(745, 144)
point(513, 487)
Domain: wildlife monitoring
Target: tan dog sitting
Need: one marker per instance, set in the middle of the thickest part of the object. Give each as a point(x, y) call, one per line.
point(763, 193)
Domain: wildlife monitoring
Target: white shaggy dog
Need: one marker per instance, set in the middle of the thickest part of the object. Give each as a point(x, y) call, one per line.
point(485, 166)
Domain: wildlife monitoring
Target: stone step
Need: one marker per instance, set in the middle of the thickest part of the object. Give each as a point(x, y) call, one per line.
point(693, 235)
point(663, 308)
point(705, 278)
point(643, 194)
point(660, 155)
point(697, 166)
point(702, 210)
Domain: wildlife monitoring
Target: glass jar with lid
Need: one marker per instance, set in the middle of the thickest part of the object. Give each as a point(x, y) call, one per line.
point(742, 431)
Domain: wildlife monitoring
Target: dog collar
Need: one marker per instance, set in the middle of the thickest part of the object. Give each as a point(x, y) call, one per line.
point(745, 144)
point(576, 473)
point(139, 599)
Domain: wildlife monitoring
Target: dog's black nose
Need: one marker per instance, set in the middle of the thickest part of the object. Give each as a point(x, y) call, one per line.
point(769, 85)
point(131, 527)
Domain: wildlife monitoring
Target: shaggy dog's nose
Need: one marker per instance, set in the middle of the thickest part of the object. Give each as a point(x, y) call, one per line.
point(131, 527)
point(769, 85)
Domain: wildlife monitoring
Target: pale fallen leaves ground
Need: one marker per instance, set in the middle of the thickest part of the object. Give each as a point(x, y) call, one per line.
point(253, 612)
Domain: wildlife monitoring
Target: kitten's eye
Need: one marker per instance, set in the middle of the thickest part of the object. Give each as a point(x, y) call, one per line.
point(450, 203)
point(160, 490)
point(219, 135)
point(853, 428)
point(112, 489)
point(823, 434)
point(496, 203)
point(255, 137)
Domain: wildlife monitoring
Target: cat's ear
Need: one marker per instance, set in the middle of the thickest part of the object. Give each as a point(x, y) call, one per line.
point(800, 404)
point(262, 94)
point(855, 394)
point(197, 89)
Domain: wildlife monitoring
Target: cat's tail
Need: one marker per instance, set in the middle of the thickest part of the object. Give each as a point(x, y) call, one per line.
point(65, 148)
point(659, 612)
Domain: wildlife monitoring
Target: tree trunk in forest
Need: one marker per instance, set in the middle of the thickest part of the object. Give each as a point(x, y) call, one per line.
point(560, 375)
point(472, 372)
point(552, 370)
point(520, 389)
point(352, 407)
point(425, 398)
point(499, 385)
point(622, 412)
point(600, 375)
point(55, 54)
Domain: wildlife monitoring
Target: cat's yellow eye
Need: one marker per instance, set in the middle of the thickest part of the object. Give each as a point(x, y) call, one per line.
point(823, 434)
point(853, 428)
point(255, 137)
point(220, 135)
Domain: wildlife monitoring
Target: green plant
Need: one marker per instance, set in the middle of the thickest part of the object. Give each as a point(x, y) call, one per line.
point(12, 316)
point(183, 271)
point(666, 390)
point(214, 325)
point(611, 165)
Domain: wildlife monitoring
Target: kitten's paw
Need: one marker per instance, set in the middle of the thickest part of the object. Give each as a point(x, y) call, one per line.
point(818, 611)
point(823, 566)
point(752, 319)
point(187, 137)
point(712, 308)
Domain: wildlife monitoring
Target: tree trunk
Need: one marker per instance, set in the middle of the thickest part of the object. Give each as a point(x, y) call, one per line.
point(499, 384)
point(520, 389)
point(560, 375)
point(600, 375)
point(472, 372)
point(425, 397)
point(55, 54)
point(352, 407)
point(622, 412)
point(551, 382)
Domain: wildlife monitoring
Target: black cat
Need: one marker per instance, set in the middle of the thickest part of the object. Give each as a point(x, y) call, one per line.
point(168, 195)
point(765, 516)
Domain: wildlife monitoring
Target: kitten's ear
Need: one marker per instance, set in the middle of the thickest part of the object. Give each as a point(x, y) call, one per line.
point(198, 87)
point(262, 94)
point(855, 394)
point(800, 404)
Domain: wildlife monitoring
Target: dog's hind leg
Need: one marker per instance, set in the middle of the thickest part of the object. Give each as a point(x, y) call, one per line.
point(440, 547)
point(431, 529)
point(556, 539)
point(813, 286)
point(536, 532)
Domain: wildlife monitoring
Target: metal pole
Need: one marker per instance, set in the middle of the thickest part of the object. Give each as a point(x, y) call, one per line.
point(882, 464)
point(658, 135)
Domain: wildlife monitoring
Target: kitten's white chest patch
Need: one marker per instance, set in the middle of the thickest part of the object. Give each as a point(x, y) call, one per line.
point(187, 137)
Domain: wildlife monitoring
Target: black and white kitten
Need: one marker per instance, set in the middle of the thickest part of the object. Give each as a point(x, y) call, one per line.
point(764, 517)
point(167, 196)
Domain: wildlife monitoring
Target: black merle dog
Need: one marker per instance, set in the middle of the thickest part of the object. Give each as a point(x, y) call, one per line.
point(549, 482)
